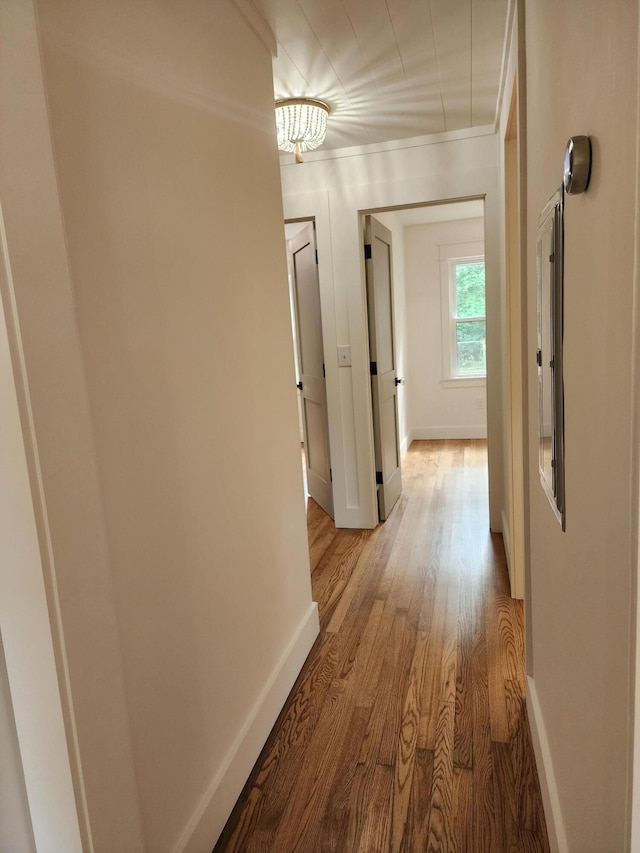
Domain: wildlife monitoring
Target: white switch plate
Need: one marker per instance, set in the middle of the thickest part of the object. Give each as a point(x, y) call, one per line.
point(344, 356)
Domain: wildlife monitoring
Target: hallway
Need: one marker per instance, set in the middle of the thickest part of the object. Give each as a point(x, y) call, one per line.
point(407, 728)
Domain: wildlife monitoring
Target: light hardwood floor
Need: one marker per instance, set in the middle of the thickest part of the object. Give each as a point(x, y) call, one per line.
point(407, 729)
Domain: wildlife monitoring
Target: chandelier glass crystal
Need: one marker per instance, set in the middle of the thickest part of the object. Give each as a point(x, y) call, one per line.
point(301, 124)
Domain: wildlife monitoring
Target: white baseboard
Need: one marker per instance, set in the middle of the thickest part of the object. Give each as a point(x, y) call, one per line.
point(204, 828)
point(551, 801)
point(431, 433)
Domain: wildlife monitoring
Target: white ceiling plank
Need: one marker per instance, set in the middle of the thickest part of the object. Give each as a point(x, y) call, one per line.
point(304, 68)
point(390, 69)
point(375, 36)
point(411, 24)
point(334, 32)
point(488, 33)
point(451, 21)
point(292, 83)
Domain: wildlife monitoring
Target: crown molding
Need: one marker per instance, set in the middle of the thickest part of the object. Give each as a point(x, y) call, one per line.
point(392, 145)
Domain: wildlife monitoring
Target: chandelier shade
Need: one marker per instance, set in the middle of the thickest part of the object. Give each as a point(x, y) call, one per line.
point(301, 124)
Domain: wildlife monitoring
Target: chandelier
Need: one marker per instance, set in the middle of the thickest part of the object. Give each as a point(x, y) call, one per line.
point(301, 124)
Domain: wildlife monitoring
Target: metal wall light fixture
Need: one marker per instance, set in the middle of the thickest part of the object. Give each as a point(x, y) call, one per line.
point(301, 124)
point(577, 165)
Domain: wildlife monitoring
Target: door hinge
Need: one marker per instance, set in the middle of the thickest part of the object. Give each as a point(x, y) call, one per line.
point(539, 358)
point(367, 251)
point(373, 368)
point(316, 256)
point(379, 479)
point(324, 375)
point(331, 475)
point(299, 386)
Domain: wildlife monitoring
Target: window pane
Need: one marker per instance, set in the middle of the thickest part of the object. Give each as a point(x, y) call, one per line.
point(470, 290)
point(470, 347)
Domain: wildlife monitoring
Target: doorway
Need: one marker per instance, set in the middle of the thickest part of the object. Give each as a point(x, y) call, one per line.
point(440, 319)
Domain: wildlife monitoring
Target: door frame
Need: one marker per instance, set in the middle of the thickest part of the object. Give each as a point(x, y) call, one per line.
point(362, 213)
point(516, 387)
point(30, 634)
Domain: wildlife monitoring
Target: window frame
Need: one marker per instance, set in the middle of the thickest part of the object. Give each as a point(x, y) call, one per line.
point(452, 255)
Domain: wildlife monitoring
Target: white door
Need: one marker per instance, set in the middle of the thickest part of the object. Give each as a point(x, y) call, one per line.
point(306, 293)
point(384, 381)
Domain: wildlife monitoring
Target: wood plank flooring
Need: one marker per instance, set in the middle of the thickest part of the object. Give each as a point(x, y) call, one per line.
point(407, 729)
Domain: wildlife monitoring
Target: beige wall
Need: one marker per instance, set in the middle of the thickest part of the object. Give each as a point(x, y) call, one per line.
point(582, 75)
point(60, 452)
point(159, 357)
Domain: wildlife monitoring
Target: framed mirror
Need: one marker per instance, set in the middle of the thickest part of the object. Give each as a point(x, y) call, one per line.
point(550, 244)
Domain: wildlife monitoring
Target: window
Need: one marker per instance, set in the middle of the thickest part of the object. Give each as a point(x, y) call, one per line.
point(467, 317)
point(462, 301)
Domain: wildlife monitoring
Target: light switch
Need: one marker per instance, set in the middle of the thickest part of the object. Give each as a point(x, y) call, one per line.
point(344, 356)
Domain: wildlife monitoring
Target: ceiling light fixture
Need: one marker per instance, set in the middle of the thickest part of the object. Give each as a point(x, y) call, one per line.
point(301, 123)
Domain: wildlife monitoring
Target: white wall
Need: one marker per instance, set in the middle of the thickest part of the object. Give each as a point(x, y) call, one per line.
point(581, 581)
point(334, 186)
point(437, 410)
point(158, 346)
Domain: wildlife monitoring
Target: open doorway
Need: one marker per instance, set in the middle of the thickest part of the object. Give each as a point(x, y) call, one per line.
point(440, 319)
point(306, 318)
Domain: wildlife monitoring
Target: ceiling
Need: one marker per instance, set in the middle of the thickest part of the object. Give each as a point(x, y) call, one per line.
point(390, 69)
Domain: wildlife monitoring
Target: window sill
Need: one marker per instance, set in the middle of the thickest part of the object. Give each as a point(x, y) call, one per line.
point(464, 382)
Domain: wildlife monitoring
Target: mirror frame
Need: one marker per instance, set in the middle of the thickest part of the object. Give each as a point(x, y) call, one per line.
point(550, 274)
